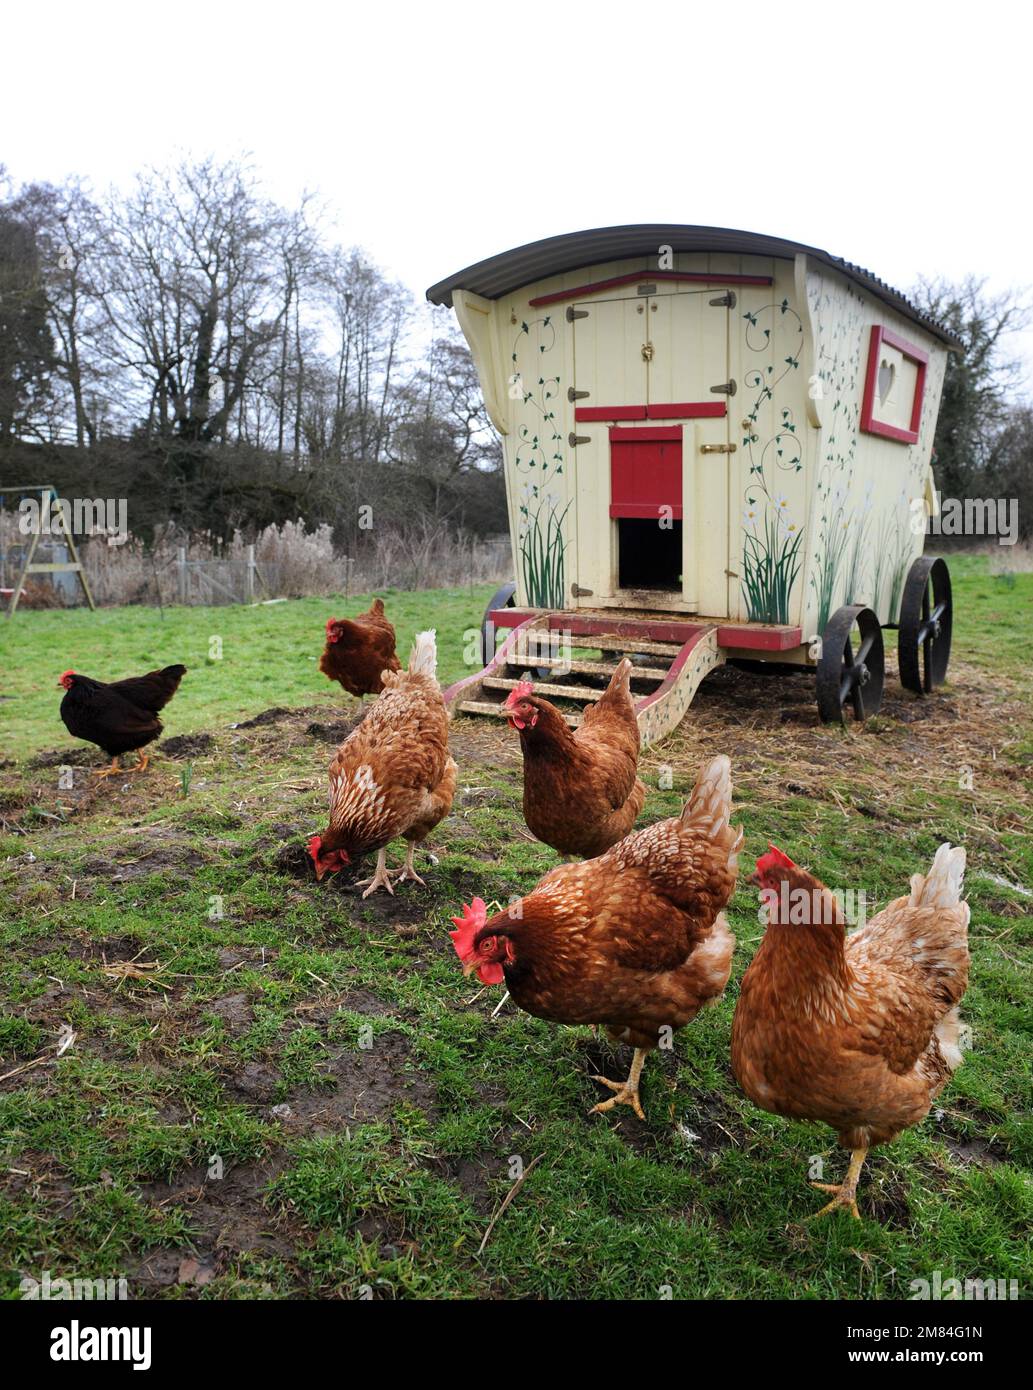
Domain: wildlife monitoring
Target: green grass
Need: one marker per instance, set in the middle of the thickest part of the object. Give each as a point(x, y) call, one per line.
point(410, 1109)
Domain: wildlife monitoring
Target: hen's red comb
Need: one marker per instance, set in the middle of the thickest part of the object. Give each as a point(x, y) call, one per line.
point(519, 692)
point(774, 859)
point(315, 844)
point(65, 674)
point(330, 623)
point(473, 918)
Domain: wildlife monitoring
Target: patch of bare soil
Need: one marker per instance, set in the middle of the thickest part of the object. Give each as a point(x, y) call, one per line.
point(68, 757)
point(187, 745)
point(41, 1177)
point(294, 861)
point(767, 722)
point(268, 716)
point(233, 957)
point(127, 870)
point(234, 1010)
point(329, 733)
point(477, 1177)
point(367, 1084)
point(228, 1217)
point(969, 1151)
point(483, 742)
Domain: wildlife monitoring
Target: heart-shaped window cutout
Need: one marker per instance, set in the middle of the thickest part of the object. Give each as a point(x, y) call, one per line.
point(887, 371)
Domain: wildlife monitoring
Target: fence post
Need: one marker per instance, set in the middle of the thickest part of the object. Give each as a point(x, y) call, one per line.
point(181, 573)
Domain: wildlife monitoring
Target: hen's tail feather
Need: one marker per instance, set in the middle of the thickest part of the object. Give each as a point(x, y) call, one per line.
point(942, 885)
point(709, 807)
point(620, 681)
point(424, 658)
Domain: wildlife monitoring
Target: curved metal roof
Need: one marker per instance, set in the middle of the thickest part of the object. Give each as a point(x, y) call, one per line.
point(526, 265)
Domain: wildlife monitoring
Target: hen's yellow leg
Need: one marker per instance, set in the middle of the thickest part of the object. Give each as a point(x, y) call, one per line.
point(846, 1191)
point(626, 1091)
point(141, 766)
point(110, 771)
point(408, 870)
point(381, 878)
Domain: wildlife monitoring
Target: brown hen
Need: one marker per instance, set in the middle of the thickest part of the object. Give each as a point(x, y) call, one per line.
point(634, 940)
point(392, 775)
point(858, 1031)
point(359, 650)
point(581, 791)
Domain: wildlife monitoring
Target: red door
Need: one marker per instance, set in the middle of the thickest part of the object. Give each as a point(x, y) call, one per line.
point(646, 473)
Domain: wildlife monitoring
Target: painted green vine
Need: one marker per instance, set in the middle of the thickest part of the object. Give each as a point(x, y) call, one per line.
point(539, 458)
point(771, 536)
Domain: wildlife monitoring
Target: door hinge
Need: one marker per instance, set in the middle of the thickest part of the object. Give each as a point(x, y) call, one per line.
point(573, 395)
point(718, 448)
point(726, 388)
point(575, 439)
point(724, 301)
point(578, 592)
point(573, 313)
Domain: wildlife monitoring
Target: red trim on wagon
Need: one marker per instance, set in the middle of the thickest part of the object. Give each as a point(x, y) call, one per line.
point(655, 434)
point(675, 410)
point(771, 637)
point(646, 277)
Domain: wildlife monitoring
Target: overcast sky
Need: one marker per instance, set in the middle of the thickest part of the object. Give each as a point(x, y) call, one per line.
point(894, 133)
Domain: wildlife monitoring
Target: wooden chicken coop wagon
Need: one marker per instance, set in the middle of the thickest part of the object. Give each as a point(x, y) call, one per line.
point(717, 447)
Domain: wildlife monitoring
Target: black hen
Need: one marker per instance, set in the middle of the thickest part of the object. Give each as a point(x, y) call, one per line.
point(119, 716)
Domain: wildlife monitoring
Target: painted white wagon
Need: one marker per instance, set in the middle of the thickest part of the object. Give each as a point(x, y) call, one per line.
point(717, 447)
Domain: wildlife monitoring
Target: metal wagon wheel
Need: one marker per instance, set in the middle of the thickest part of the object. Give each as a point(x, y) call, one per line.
point(849, 677)
point(504, 598)
point(924, 633)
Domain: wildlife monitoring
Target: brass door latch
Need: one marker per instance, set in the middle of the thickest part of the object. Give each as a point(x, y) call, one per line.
point(718, 448)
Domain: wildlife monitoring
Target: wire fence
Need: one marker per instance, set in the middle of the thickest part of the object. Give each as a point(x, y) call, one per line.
point(282, 562)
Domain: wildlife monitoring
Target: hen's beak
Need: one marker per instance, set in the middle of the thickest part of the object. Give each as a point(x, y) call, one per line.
point(469, 966)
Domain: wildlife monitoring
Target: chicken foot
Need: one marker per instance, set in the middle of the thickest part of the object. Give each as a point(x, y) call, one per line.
point(845, 1192)
point(626, 1091)
point(141, 766)
point(408, 870)
point(381, 878)
point(111, 771)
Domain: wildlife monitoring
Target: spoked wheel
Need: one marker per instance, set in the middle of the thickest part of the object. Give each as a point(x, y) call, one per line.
point(503, 599)
point(924, 633)
point(852, 669)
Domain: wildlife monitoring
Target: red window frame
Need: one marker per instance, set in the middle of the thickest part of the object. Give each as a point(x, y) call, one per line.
point(912, 353)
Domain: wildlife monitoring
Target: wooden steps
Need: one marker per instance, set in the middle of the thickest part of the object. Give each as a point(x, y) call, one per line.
point(548, 688)
point(583, 668)
point(601, 643)
point(487, 707)
point(664, 682)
